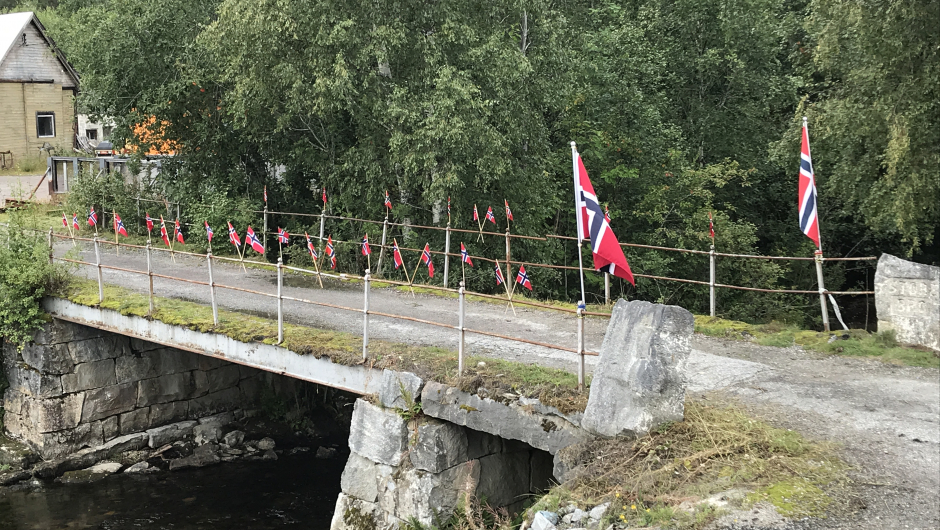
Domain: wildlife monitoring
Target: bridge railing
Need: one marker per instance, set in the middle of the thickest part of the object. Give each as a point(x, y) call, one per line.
point(461, 329)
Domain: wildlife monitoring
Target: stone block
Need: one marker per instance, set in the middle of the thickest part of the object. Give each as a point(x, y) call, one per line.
point(108, 401)
point(439, 446)
point(480, 444)
point(541, 468)
point(131, 368)
point(361, 477)
point(110, 428)
point(207, 363)
point(173, 361)
point(30, 381)
point(504, 478)
point(351, 513)
point(163, 413)
point(250, 389)
point(107, 346)
point(49, 359)
point(639, 382)
point(59, 331)
point(200, 383)
point(429, 497)
point(400, 390)
point(209, 433)
point(52, 445)
point(907, 299)
point(88, 375)
point(223, 377)
point(135, 421)
point(543, 431)
point(378, 434)
point(227, 399)
point(219, 420)
point(55, 414)
point(159, 436)
point(128, 442)
point(166, 388)
point(234, 438)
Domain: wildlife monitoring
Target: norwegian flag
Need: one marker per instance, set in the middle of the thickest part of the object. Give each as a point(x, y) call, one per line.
point(476, 216)
point(448, 206)
point(119, 225)
point(65, 220)
point(508, 211)
point(251, 239)
point(388, 201)
point(179, 232)
point(265, 195)
point(809, 219)
point(233, 236)
point(209, 231)
point(330, 252)
point(711, 226)
point(465, 256)
point(426, 258)
point(489, 215)
point(523, 278)
point(92, 217)
point(324, 196)
point(366, 249)
point(499, 274)
point(592, 224)
point(607, 214)
point(282, 236)
point(163, 233)
point(149, 222)
point(310, 248)
point(75, 224)
point(396, 255)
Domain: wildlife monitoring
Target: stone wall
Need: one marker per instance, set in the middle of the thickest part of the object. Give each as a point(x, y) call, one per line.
point(399, 470)
point(907, 298)
point(75, 387)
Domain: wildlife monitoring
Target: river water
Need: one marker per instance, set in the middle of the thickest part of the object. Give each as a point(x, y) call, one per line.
point(296, 491)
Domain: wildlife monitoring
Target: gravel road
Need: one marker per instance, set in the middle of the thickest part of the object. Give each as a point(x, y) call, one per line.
point(886, 418)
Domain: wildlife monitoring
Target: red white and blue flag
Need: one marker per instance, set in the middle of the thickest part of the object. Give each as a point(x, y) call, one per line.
point(324, 196)
point(465, 256)
point(448, 207)
point(396, 255)
point(388, 201)
point(366, 249)
point(233, 236)
point(593, 225)
point(508, 211)
point(607, 214)
point(163, 233)
point(282, 236)
point(75, 224)
point(209, 232)
point(523, 278)
point(809, 218)
point(179, 232)
point(265, 195)
point(711, 226)
point(499, 274)
point(330, 251)
point(149, 222)
point(92, 217)
point(476, 216)
point(489, 215)
point(426, 258)
point(119, 225)
point(251, 239)
point(311, 248)
point(65, 220)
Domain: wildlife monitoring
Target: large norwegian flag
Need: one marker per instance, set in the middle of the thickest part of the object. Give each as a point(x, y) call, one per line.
point(118, 225)
point(252, 240)
point(149, 221)
point(330, 251)
point(809, 219)
point(465, 256)
point(311, 248)
point(233, 236)
point(163, 233)
point(396, 255)
point(179, 232)
point(92, 217)
point(426, 258)
point(593, 225)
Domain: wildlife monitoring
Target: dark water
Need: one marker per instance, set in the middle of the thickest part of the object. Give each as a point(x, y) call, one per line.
point(296, 491)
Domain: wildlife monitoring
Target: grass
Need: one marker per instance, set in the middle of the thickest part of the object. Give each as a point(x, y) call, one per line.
point(553, 387)
point(32, 166)
point(852, 343)
point(662, 478)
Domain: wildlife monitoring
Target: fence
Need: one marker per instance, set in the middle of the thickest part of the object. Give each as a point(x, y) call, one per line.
point(460, 328)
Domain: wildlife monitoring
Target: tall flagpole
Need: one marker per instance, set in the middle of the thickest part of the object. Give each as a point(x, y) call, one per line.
point(818, 255)
point(577, 215)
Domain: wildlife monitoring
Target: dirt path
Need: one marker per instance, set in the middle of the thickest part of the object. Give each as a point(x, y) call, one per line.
point(886, 417)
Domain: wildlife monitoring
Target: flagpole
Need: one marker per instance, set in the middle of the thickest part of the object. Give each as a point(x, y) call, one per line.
point(818, 255)
point(117, 248)
point(68, 225)
point(369, 255)
point(577, 216)
point(479, 222)
point(207, 237)
point(505, 286)
point(404, 270)
point(317, 266)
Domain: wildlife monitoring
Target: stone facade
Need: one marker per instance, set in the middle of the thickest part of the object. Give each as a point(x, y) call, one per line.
point(75, 387)
point(399, 469)
point(907, 298)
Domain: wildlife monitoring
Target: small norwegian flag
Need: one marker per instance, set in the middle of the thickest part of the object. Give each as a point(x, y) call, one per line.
point(448, 206)
point(179, 232)
point(324, 196)
point(163, 233)
point(233, 236)
point(607, 213)
point(366, 250)
point(523, 278)
point(75, 224)
point(508, 211)
point(489, 215)
point(476, 216)
point(711, 226)
point(499, 275)
point(465, 256)
point(119, 225)
point(92, 217)
point(149, 222)
point(426, 258)
point(208, 231)
point(251, 239)
point(282, 236)
point(310, 248)
point(330, 252)
point(396, 255)
point(65, 220)
point(388, 201)
point(265, 195)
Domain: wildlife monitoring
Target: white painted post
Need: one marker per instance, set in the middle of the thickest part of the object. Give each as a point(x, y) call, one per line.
point(150, 276)
point(365, 318)
point(280, 301)
point(606, 289)
point(382, 248)
point(711, 280)
point(818, 255)
point(98, 265)
point(447, 254)
point(215, 308)
point(461, 331)
point(322, 222)
point(580, 346)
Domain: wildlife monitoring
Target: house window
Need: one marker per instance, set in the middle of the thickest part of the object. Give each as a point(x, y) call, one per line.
point(107, 132)
point(45, 124)
point(92, 134)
